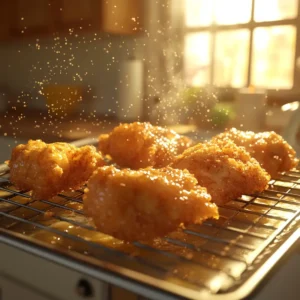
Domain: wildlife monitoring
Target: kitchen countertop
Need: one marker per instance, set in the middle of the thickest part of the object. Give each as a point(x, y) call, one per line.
point(17, 128)
point(40, 125)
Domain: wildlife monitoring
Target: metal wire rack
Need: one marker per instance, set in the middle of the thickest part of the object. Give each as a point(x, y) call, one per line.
point(215, 258)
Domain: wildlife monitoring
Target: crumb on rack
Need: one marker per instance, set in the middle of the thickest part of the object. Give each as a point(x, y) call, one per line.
point(48, 214)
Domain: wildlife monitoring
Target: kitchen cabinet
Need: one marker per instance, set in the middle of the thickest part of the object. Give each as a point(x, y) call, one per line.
point(78, 14)
point(38, 18)
point(122, 17)
point(4, 20)
point(32, 17)
point(109, 16)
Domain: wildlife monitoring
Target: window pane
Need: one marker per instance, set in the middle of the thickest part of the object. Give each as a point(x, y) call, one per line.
point(197, 58)
point(232, 11)
point(270, 10)
point(198, 12)
point(231, 58)
point(273, 56)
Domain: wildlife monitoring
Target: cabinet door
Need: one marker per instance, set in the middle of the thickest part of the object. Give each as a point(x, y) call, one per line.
point(4, 19)
point(78, 14)
point(32, 17)
point(122, 17)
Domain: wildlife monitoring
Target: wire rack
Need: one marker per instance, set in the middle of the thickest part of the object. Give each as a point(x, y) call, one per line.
point(217, 257)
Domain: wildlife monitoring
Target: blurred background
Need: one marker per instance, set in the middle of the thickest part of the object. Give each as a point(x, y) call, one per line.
point(71, 69)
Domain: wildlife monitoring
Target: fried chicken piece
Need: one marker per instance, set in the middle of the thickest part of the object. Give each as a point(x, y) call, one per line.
point(272, 152)
point(226, 170)
point(140, 145)
point(147, 203)
point(48, 169)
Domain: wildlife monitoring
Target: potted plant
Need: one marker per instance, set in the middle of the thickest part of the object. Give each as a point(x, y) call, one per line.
point(199, 102)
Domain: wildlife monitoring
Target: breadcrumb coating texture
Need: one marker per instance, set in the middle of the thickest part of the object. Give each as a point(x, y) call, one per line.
point(272, 152)
point(147, 203)
point(47, 169)
point(140, 145)
point(226, 170)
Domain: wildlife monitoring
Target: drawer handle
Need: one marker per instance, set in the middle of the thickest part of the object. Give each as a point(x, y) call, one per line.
point(84, 288)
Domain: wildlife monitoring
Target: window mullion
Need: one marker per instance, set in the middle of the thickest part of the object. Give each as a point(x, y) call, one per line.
point(248, 25)
point(213, 46)
point(250, 44)
point(296, 84)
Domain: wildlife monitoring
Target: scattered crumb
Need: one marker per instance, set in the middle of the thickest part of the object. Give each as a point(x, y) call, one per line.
point(48, 214)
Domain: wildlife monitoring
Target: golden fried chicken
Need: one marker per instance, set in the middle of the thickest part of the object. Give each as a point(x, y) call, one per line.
point(272, 152)
point(140, 145)
point(145, 204)
point(226, 170)
point(48, 169)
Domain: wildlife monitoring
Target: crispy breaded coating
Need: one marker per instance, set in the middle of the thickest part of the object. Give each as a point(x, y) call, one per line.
point(48, 169)
point(140, 145)
point(144, 204)
point(226, 170)
point(272, 152)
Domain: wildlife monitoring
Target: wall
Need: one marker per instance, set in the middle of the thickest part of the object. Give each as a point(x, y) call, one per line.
point(90, 60)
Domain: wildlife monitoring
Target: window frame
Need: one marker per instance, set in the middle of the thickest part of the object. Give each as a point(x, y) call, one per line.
point(251, 25)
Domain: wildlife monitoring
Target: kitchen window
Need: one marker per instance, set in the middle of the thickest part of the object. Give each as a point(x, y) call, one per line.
point(238, 43)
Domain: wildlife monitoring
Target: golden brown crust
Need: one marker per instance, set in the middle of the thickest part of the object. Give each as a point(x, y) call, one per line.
point(268, 148)
point(227, 171)
point(140, 145)
point(48, 169)
point(145, 204)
